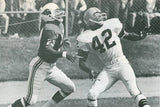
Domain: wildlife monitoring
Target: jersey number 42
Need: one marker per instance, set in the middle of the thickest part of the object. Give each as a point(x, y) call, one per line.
point(97, 45)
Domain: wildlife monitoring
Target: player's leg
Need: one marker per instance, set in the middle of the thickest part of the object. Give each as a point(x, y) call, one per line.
point(132, 19)
point(128, 78)
point(59, 79)
point(147, 19)
point(35, 80)
point(6, 22)
point(103, 82)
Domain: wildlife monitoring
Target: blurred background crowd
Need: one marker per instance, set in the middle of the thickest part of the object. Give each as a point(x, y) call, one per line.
point(134, 14)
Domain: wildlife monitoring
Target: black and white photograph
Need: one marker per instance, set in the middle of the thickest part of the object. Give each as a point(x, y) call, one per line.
point(79, 53)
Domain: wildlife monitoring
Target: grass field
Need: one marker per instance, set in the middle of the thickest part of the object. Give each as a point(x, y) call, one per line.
point(105, 102)
point(15, 55)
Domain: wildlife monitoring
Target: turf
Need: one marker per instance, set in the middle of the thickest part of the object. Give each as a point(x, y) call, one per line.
point(15, 55)
point(106, 102)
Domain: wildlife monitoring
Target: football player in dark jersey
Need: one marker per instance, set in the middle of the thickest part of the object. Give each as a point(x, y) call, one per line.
point(43, 66)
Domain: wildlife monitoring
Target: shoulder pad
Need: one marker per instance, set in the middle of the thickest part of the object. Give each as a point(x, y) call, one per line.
point(114, 24)
point(55, 28)
point(86, 36)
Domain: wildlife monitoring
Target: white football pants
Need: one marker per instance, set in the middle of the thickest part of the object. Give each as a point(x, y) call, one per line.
point(119, 69)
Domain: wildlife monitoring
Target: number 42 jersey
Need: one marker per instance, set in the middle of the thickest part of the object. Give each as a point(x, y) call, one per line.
point(103, 43)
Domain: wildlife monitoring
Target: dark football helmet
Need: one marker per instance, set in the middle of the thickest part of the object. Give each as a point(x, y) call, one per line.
point(94, 16)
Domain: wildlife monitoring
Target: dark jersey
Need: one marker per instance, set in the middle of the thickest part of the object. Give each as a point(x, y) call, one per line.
point(51, 38)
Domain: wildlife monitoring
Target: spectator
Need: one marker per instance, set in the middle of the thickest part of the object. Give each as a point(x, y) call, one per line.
point(157, 6)
point(60, 3)
point(150, 5)
point(111, 7)
point(4, 19)
point(138, 17)
point(15, 18)
point(154, 16)
point(18, 18)
point(155, 23)
point(125, 5)
point(76, 8)
point(116, 9)
point(41, 3)
point(93, 3)
point(138, 5)
point(142, 12)
point(29, 5)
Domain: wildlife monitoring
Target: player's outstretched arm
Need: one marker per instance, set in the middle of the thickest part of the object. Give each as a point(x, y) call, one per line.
point(134, 36)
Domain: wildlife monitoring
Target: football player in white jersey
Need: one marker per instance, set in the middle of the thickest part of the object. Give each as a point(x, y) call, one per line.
point(102, 41)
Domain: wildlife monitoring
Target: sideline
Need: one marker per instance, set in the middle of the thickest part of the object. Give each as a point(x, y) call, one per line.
point(10, 91)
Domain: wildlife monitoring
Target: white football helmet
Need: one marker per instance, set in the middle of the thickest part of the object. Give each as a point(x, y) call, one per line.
point(94, 16)
point(51, 12)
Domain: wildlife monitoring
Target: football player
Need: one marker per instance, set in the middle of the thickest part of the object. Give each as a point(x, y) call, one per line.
point(102, 40)
point(43, 66)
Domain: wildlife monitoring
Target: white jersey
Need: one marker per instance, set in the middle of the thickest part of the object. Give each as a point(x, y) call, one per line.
point(104, 42)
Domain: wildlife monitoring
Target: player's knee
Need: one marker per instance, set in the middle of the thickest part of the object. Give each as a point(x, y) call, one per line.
point(142, 101)
point(72, 88)
point(92, 95)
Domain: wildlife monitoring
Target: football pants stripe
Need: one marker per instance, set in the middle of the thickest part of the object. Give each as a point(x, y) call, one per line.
point(28, 93)
point(31, 81)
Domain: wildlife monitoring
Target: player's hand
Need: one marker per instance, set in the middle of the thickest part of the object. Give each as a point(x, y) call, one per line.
point(92, 75)
point(66, 44)
point(70, 57)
